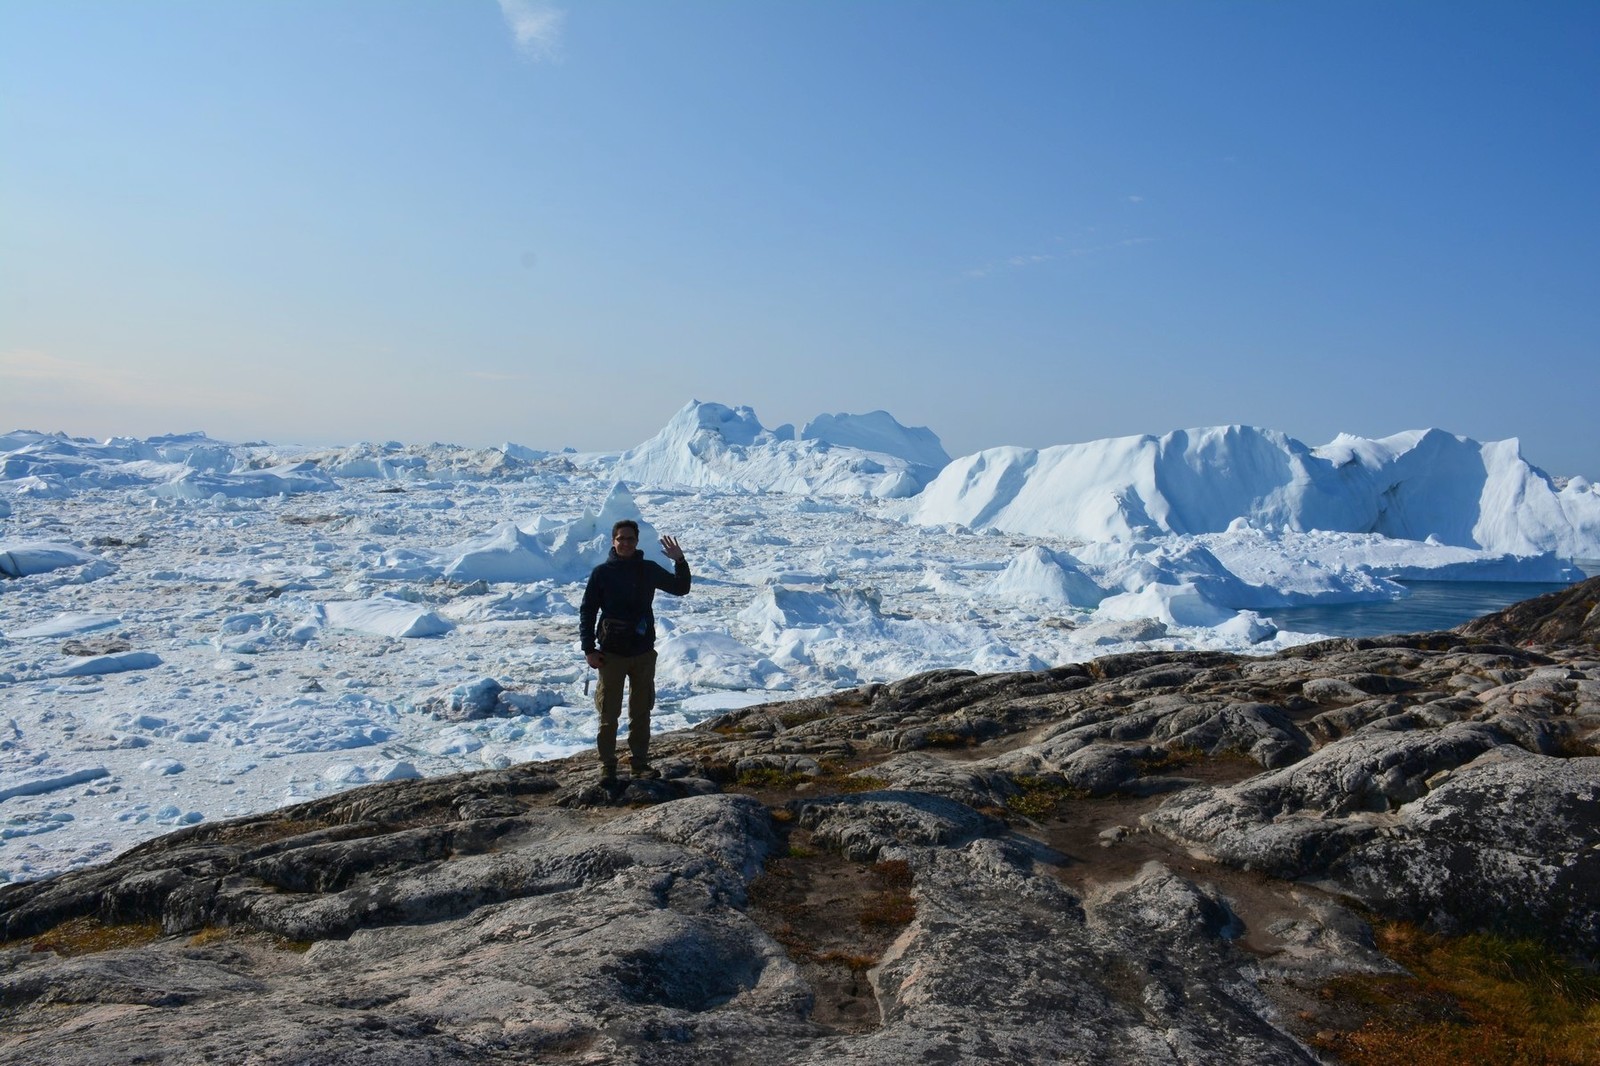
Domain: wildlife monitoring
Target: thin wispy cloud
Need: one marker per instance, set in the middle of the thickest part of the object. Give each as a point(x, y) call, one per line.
point(535, 26)
point(34, 366)
point(1022, 262)
point(32, 377)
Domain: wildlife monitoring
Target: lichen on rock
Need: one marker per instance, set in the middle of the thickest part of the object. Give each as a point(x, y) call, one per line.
point(1151, 858)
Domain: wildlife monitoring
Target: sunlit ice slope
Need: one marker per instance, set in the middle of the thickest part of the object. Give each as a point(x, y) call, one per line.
point(1419, 485)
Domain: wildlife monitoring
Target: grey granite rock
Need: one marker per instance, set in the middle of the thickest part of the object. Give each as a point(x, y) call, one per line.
point(1510, 841)
point(1145, 859)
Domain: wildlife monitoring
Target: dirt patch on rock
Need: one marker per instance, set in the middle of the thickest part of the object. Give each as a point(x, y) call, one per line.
point(836, 919)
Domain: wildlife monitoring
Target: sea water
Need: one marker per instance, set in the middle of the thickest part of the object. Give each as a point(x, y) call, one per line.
point(1429, 606)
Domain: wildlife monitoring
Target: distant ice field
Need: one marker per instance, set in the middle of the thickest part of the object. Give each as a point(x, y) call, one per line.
point(192, 630)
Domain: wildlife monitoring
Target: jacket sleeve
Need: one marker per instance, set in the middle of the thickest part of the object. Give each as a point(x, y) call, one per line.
point(676, 582)
point(588, 612)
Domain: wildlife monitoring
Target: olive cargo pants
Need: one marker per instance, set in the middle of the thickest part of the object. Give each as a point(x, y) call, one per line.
point(639, 671)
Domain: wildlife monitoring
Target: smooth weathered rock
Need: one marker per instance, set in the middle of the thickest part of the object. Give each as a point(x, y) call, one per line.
point(1510, 841)
point(1128, 861)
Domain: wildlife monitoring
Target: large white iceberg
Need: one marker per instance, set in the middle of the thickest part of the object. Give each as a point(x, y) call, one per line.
point(708, 445)
point(1418, 485)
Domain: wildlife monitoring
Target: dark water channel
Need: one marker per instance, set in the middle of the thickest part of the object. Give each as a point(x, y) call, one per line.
point(1431, 605)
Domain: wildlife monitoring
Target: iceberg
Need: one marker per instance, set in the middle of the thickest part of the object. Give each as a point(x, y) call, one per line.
point(1418, 485)
point(383, 616)
point(709, 445)
point(26, 557)
point(1039, 575)
point(563, 551)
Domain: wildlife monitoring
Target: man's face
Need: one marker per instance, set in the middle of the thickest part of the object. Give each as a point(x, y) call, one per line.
point(625, 542)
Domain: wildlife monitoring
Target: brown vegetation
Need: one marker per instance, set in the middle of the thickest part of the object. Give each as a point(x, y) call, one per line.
point(85, 936)
point(1482, 999)
point(835, 918)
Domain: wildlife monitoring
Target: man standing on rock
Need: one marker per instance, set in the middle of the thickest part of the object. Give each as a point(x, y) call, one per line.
point(622, 644)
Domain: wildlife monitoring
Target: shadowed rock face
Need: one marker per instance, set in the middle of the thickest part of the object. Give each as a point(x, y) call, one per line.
point(1143, 859)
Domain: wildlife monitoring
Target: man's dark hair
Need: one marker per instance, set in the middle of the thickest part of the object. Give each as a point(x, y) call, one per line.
point(626, 523)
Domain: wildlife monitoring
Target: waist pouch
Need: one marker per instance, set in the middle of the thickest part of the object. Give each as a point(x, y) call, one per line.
point(619, 636)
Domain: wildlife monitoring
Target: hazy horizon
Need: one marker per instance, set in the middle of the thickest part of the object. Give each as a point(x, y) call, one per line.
point(554, 224)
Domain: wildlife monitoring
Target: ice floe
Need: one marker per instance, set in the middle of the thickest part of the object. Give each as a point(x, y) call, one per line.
point(192, 629)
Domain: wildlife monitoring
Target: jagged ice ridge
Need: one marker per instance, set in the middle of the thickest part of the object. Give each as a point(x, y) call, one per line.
point(193, 629)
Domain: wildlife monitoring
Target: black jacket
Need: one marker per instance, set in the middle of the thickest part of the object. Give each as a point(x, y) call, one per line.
point(624, 589)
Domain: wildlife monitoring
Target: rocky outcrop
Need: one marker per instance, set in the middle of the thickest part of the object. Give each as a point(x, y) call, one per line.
point(1145, 859)
point(1570, 617)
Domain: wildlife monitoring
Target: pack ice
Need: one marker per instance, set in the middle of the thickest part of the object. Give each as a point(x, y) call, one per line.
point(194, 629)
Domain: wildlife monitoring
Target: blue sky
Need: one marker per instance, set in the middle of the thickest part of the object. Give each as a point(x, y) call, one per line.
point(1014, 222)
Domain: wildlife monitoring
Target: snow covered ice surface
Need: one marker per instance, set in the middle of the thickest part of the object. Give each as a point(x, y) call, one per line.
point(193, 630)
